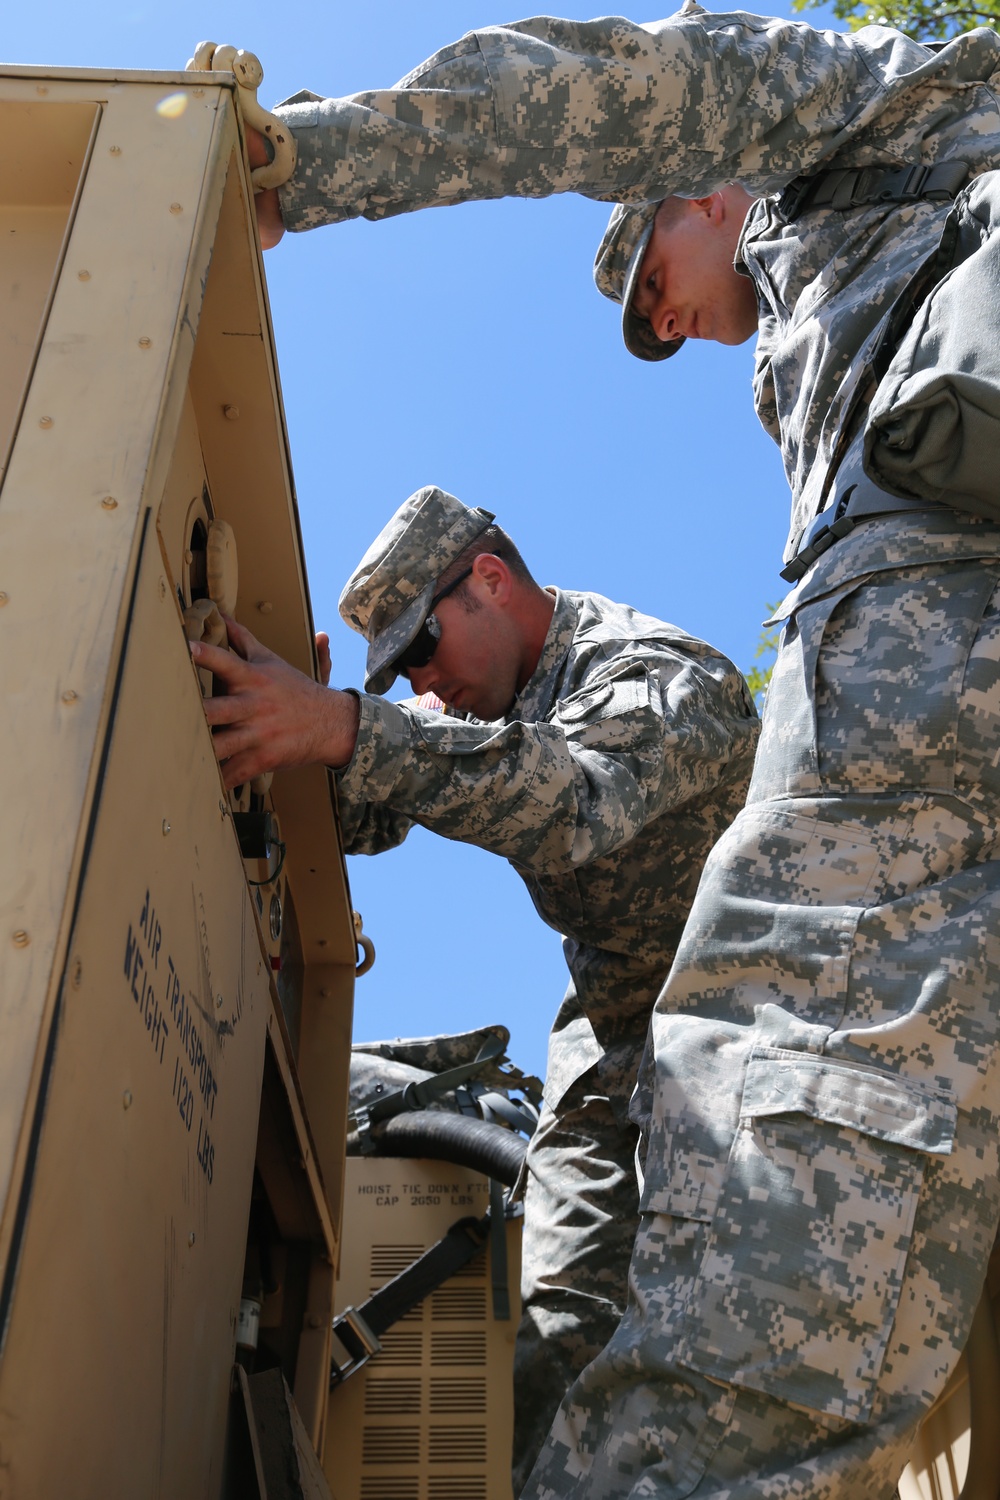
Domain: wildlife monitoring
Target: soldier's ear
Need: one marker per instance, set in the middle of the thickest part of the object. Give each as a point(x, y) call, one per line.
point(495, 576)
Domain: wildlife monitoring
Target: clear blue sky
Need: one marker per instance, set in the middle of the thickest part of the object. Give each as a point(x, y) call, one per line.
point(469, 348)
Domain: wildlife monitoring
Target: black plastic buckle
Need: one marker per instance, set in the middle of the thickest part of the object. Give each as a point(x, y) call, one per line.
point(794, 198)
point(819, 540)
point(905, 186)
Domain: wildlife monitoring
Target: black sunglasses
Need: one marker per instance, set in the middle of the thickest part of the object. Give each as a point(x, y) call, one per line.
point(424, 644)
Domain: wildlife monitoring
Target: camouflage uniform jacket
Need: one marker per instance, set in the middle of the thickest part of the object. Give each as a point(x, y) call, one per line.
point(622, 761)
point(638, 113)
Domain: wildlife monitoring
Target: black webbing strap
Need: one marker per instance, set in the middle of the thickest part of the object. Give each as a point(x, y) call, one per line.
point(419, 1095)
point(854, 187)
point(498, 1253)
point(358, 1329)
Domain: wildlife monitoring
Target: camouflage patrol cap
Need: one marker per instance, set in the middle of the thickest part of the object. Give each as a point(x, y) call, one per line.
point(389, 594)
point(616, 271)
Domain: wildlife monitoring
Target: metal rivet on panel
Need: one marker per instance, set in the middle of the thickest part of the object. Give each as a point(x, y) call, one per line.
point(145, 343)
point(45, 421)
point(21, 938)
point(231, 413)
point(265, 606)
point(83, 275)
point(127, 1099)
point(69, 696)
point(175, 208)
point(114, 151)
point(191, 1238)
point(166, 827)
point(109, 503)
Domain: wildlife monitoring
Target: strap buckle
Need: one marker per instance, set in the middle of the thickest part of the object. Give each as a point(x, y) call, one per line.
point(359, 1342)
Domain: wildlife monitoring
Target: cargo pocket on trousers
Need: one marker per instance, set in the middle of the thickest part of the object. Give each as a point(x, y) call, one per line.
point(805, 1260)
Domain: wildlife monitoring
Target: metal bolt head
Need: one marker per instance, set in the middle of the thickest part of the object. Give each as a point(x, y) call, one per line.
point(231, 413)
point(127, 1099)
point(109, 503)
point(145, 343)
point(176, 208)
point(21, 938)
point(45, 421)
point(166, 827)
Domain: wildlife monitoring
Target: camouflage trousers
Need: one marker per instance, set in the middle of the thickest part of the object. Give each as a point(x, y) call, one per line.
point(821, 1175)
point(581, 1212)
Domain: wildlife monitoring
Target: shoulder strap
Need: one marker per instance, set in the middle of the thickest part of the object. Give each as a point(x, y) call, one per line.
point(854, 187)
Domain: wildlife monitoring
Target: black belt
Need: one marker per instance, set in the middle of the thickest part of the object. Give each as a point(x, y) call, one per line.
point(853, 187)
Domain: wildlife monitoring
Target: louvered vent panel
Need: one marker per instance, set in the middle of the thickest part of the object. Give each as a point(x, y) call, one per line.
point(456, 1445)
point(460, 1347)
point(387, 1261)
point(456, 1487)
point(390, 1445)
point(400, 1347)
point(465, 1304)
point(428, 1418)
point(396, 1487)
point(467, 1394)
point(394, 1398)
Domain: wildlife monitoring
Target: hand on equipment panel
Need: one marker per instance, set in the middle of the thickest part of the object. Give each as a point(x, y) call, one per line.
point(323, 657)
point(269, 222)
point(272, 716)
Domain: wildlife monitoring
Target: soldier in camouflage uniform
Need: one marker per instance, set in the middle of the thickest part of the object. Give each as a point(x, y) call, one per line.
point(619, 750)
point(820, 1191)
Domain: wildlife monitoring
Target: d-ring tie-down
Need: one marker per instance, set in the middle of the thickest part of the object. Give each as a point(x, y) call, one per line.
point(249, 74)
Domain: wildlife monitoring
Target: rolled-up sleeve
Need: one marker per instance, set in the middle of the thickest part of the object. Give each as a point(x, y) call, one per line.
point(607, 108)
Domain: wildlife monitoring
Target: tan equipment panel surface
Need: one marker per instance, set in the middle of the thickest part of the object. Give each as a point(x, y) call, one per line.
point(431, 1416)
point(175, 994)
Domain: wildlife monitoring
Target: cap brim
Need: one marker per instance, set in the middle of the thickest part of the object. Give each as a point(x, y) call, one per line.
point(390, 643)
point(637, 332)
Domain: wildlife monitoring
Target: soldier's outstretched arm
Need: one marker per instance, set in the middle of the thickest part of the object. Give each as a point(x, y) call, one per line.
point(654, 731)
point(606, 108)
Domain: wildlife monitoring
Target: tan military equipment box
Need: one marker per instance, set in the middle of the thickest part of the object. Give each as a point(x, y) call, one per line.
point(176, 975)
